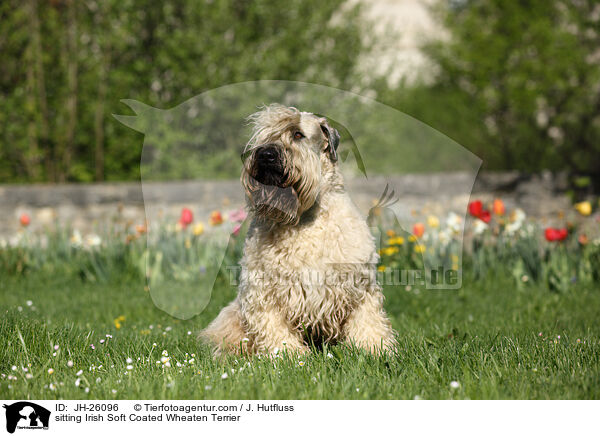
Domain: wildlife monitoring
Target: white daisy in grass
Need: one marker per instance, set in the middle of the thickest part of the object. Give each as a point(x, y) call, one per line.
point(454, 384)
point(165, 353)
point(129, 360)
point(78, 373)
point(70, 364)
point(130, 367)
point(50, 371)
point(224, 376)
point(301, 363)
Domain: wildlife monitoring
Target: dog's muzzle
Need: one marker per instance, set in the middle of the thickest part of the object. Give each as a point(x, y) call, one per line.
point(268, 166)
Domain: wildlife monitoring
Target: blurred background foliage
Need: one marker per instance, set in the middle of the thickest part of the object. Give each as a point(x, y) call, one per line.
point(517, 83)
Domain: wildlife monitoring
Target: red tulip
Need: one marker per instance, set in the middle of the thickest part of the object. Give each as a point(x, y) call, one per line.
point(418, 229)
point(498, 207)
point(485, 216)
point(24, 220)
point(186, 217)
point(475, 208)
point(553, 234)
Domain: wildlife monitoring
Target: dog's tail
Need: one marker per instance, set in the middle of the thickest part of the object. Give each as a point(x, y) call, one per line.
point(226, 332)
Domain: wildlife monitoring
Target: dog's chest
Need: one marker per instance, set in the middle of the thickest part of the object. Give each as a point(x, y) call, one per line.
point(311, 269)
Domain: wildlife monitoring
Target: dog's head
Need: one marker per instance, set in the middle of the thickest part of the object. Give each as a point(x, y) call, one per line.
point(290, 158)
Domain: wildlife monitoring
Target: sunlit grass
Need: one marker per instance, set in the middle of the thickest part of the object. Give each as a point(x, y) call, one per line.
point(483, 341)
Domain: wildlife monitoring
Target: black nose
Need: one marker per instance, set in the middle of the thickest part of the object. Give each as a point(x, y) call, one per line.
point(267, 155)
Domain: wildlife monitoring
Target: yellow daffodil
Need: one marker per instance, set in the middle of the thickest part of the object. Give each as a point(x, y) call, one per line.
point(398, 240)
point(381, 268)
point(389, 251)
point(420, 248)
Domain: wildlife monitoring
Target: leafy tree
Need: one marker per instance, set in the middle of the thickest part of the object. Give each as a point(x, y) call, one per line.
point(65, 64)
point(518, 83)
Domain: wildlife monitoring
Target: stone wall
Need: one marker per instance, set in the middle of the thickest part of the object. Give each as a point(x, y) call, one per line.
point(90, 207)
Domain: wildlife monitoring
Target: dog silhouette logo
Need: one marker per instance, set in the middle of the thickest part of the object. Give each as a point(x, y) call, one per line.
point(26, 415)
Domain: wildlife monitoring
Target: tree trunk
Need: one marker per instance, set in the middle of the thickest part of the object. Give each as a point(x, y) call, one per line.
point(37, 66)
point(100, 103)
point(71, 103)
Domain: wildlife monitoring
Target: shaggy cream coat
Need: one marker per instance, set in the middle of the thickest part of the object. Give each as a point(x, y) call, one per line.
point(312, 278)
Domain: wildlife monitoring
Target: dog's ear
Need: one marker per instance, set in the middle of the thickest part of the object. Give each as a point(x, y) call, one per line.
point(333, 140)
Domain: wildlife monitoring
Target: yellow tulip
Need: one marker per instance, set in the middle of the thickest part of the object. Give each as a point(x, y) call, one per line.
point(420, 248)
point(584, 208)
point(433, 221)
point(198, 229)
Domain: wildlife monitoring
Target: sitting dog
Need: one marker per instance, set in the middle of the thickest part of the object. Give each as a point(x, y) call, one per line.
point(309, 264)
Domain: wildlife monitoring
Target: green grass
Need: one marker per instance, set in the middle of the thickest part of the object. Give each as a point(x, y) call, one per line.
point(484, 336)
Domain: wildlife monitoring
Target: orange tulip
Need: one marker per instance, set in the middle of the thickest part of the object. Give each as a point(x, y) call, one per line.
point(418, 229)
point(216, 218)
point(498, 207)
point(24, 220)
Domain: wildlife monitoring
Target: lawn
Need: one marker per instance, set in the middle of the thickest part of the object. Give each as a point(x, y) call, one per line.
point(496, 340)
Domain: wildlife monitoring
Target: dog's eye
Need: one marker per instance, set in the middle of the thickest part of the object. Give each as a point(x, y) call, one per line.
point(298, 135)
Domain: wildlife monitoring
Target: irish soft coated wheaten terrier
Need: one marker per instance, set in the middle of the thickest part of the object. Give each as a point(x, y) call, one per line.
point(309, 265)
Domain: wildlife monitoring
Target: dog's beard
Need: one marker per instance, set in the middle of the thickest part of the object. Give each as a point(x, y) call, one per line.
point(280, 192)
point(279, 204)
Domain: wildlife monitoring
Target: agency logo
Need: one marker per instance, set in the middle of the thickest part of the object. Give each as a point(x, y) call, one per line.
point(26, 415)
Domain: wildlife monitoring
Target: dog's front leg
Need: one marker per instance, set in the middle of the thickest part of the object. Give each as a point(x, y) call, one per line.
point(271, 332)
point(368, 326)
